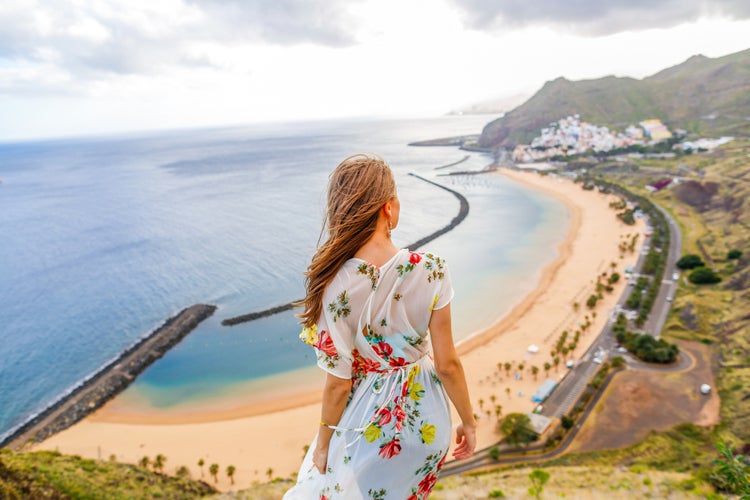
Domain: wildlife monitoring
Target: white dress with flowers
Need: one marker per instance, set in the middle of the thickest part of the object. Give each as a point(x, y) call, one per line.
point(394, 433)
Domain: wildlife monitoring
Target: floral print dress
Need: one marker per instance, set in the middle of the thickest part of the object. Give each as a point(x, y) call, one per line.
point(395, 431)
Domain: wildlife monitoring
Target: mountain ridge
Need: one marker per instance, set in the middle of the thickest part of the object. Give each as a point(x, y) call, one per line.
point(701, 95)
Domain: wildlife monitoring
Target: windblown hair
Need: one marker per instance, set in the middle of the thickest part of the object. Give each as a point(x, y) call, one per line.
point(357, 190)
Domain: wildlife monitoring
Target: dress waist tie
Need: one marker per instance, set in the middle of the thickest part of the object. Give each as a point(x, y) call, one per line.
point(402, 374)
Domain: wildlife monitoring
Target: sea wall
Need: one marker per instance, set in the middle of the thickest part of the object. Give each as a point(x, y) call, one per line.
point(110, 380)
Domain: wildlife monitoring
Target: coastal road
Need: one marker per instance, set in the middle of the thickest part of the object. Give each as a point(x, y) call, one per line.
point(658, 317)
point(572, 386)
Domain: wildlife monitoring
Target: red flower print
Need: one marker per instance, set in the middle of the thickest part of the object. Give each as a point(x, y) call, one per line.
point(390, 449)
point(396, 362)
point(399, 415)
point(383, 349)
point(413, 497)
point(384, 417)
point(362, 365)
point(323, 497)
point(325, 343)
point(405, 389)
point(426, 484)
point(442, 461)
point(414, 258)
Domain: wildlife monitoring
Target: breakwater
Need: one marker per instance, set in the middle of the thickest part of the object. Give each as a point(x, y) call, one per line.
point(463, 211)
point(110, 380)
point(454, 163)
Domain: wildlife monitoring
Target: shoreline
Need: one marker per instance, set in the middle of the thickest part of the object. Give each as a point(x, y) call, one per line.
point(464, 346)
point(108, 381)
point(589, 245)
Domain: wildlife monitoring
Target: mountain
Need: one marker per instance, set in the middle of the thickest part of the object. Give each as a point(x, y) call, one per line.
point(702, 95)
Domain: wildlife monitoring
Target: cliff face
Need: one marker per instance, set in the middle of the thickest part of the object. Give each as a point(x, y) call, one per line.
point(701, 95)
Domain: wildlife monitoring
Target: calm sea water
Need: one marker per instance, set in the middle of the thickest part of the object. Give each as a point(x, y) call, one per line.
point(105, 238)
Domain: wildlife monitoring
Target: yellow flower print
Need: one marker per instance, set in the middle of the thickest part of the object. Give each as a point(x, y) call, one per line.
point(428, 433)
point(434, 302)
point(372, 432)
point(416, 391)
point(309, 335)
point(412, 375)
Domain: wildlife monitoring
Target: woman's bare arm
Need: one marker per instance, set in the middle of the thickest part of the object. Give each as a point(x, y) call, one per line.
point(335, 395)
point(451, 373)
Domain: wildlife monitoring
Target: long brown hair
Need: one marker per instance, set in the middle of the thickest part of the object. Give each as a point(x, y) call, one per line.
point(357, 190)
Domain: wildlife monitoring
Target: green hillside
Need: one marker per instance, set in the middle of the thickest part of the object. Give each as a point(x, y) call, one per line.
point(701, 95)
point(48, 474)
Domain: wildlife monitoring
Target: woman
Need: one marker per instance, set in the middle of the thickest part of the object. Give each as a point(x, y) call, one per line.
point(371, 312)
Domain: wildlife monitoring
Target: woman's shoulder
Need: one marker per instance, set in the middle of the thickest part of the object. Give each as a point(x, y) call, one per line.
point(414, 263)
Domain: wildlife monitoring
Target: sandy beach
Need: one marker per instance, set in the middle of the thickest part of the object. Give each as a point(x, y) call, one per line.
point(268, 440)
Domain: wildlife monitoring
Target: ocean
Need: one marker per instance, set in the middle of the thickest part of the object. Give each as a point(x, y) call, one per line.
point(104, 238)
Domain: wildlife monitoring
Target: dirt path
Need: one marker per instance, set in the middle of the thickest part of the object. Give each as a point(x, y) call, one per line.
point(637, 402)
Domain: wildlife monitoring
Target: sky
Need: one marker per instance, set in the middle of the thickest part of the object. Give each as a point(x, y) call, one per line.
point(77, 67)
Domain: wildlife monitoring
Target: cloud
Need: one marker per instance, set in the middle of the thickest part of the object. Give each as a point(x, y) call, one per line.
point(596, 17)
point(92, 40)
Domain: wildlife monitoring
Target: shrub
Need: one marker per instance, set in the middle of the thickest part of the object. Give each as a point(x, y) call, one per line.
point(689, 261)
point(497, 494)
point(704, 276)
point(567, 422)
point(494, 453)
point(734, 254)
point(591, 301)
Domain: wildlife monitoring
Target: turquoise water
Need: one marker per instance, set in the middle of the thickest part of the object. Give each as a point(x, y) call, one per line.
point(104, 238)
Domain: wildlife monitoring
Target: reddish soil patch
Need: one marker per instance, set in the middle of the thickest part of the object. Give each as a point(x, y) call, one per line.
point(637, 402)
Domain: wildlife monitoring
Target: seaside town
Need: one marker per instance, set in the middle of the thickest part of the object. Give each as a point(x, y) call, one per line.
point(570, 136)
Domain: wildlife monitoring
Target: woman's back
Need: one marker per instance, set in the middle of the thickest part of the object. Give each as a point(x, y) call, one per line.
point(395, 431)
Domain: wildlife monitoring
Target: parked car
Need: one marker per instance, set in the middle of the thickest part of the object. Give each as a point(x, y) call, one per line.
point(597, 360)
point(675, 276)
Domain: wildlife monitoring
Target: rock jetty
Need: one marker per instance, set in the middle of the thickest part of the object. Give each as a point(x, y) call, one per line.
point(109, 380)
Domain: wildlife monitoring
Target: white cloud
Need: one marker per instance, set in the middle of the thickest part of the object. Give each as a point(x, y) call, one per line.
point(94, 66)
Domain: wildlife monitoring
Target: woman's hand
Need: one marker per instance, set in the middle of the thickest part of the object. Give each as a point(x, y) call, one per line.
point(320, 459)
point(466, 438)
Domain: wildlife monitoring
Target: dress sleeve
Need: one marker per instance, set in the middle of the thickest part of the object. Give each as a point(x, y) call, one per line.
point(438, 281)
point(444, 290)
point(333, 345)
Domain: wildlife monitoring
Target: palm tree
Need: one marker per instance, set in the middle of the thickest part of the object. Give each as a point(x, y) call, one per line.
point(213, 469)
point(201, 463)
point(269, 473)
point(498, 411)
point(493, 398)
point(159, 462)
point(547, 368)
point(534, 371)
point(144, 462)
point(183, 472)
point(507, 366)
point(230, 472)
point(481, 404)
point(507, 391)
point(521, 366)
point(557, 362)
